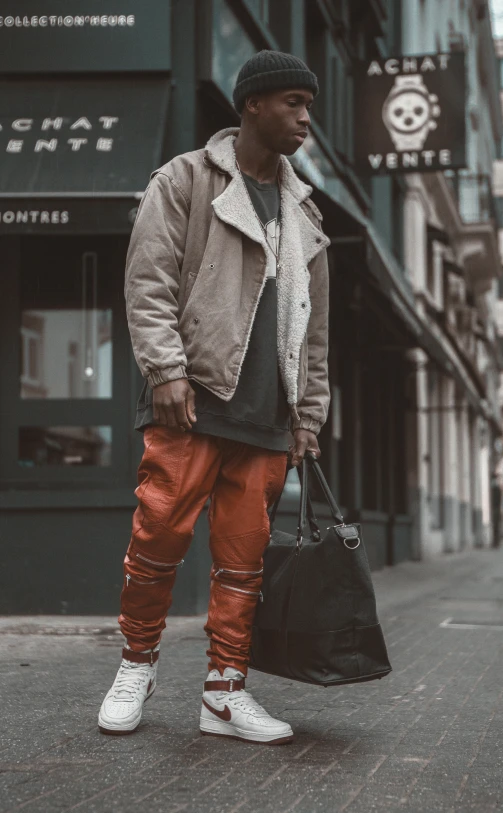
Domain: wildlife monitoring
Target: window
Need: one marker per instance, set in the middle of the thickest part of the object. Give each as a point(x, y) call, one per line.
point(280, 24)
point(340, 129)
point(66, 352)
point(394, 26)
point(66, 380)
point(261, 9)
point(317, 45)
point(231, 47)
point(65, 446)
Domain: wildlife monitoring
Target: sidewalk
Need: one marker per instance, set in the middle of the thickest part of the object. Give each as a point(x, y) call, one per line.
point(427, 738)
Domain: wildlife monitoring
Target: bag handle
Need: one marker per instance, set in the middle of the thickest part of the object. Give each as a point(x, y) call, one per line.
point(310, 461)
point(311, 516)
point(334, 508)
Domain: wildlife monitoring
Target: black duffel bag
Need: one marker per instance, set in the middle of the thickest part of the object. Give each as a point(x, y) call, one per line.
point(317, 622)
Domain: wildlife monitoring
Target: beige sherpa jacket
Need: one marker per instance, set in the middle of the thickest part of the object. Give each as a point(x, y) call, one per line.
point(196, 268)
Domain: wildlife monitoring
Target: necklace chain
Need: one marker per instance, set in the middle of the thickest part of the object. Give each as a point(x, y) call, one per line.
point(276, 253)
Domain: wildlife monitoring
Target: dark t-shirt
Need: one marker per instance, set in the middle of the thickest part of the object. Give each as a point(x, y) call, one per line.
point(258, 412)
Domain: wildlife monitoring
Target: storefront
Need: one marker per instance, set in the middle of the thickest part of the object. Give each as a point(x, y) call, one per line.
point(88, 111)
point(85, 104)
point(79, 141)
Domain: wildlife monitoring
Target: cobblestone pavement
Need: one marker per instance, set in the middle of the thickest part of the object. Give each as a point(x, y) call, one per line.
point(427, 738)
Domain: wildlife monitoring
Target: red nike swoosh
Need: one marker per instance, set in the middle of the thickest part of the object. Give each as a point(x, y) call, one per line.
point(150, 684)
point(223, 715)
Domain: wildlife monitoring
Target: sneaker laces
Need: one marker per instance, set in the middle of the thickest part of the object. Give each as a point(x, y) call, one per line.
point(243, 701)
point(128, 681)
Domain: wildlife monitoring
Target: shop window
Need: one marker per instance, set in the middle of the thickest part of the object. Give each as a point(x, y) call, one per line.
point(32, 331)
point(67, 377)
point(65, 446)
point(66, 353)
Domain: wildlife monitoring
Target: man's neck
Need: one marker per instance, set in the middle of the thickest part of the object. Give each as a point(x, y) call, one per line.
point(254, 159)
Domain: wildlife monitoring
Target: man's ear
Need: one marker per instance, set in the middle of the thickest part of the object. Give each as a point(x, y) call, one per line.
point(252, 105)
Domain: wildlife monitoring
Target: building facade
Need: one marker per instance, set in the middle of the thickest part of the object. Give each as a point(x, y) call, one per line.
point(90, 106)
point(453, 259)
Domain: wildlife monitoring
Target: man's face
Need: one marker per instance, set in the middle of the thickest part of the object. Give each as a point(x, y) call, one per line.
point(282, 118)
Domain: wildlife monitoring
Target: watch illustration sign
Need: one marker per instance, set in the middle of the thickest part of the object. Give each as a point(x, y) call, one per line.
point(410, 114)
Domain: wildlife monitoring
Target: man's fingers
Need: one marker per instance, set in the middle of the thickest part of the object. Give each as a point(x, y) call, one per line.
point(182, 420)
point(191, 405)
point(160, 415)
point(299, 451)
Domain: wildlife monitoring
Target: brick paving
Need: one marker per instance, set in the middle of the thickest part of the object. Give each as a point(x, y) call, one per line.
point(427, 738)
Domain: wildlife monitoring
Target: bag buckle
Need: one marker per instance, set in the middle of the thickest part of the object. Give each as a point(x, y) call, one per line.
point(348, 538)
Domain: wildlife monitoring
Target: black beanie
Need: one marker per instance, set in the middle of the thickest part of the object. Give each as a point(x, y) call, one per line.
point(272, 70)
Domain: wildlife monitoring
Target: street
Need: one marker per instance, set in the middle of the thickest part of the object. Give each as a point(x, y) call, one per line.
point(426, 738)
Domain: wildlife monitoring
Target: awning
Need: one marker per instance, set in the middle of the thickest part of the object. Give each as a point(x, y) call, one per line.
point(68, 145)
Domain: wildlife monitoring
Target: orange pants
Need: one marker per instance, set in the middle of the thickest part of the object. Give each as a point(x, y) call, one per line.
point(177, 474)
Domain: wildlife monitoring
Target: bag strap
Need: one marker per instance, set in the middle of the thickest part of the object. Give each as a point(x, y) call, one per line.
point(311, 516)
point(334, 508)
point(310, 462)
point(306, 511)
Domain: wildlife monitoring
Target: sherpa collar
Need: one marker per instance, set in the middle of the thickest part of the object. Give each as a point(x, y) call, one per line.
point(220, 151)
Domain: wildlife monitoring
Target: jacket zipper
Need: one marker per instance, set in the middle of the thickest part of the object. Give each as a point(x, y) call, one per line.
point(245, 572)
point(136, 581)
point(159, 564)
point(246, 592)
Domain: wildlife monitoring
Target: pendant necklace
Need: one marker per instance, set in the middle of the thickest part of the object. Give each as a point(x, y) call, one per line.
point(276, 253)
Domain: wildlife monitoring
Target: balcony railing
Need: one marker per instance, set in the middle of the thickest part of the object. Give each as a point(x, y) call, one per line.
point(475, 199)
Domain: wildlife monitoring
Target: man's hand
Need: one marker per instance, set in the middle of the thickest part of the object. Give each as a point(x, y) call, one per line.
point(174, 404)
point(304, 441)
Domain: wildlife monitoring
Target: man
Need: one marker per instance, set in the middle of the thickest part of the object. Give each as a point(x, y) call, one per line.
point(227, 302)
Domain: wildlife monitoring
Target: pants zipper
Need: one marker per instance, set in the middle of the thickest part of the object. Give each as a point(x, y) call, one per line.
point(136, 581)
point(159, 564)
point(246, 592)
point(245, 572)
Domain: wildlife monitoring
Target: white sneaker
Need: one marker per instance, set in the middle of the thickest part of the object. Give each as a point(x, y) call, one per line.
point(121, 709)
point(236, 714)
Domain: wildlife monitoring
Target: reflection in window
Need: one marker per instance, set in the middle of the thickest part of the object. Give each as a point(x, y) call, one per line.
point(66, 353)
point(231, 47)
point(65, 446)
